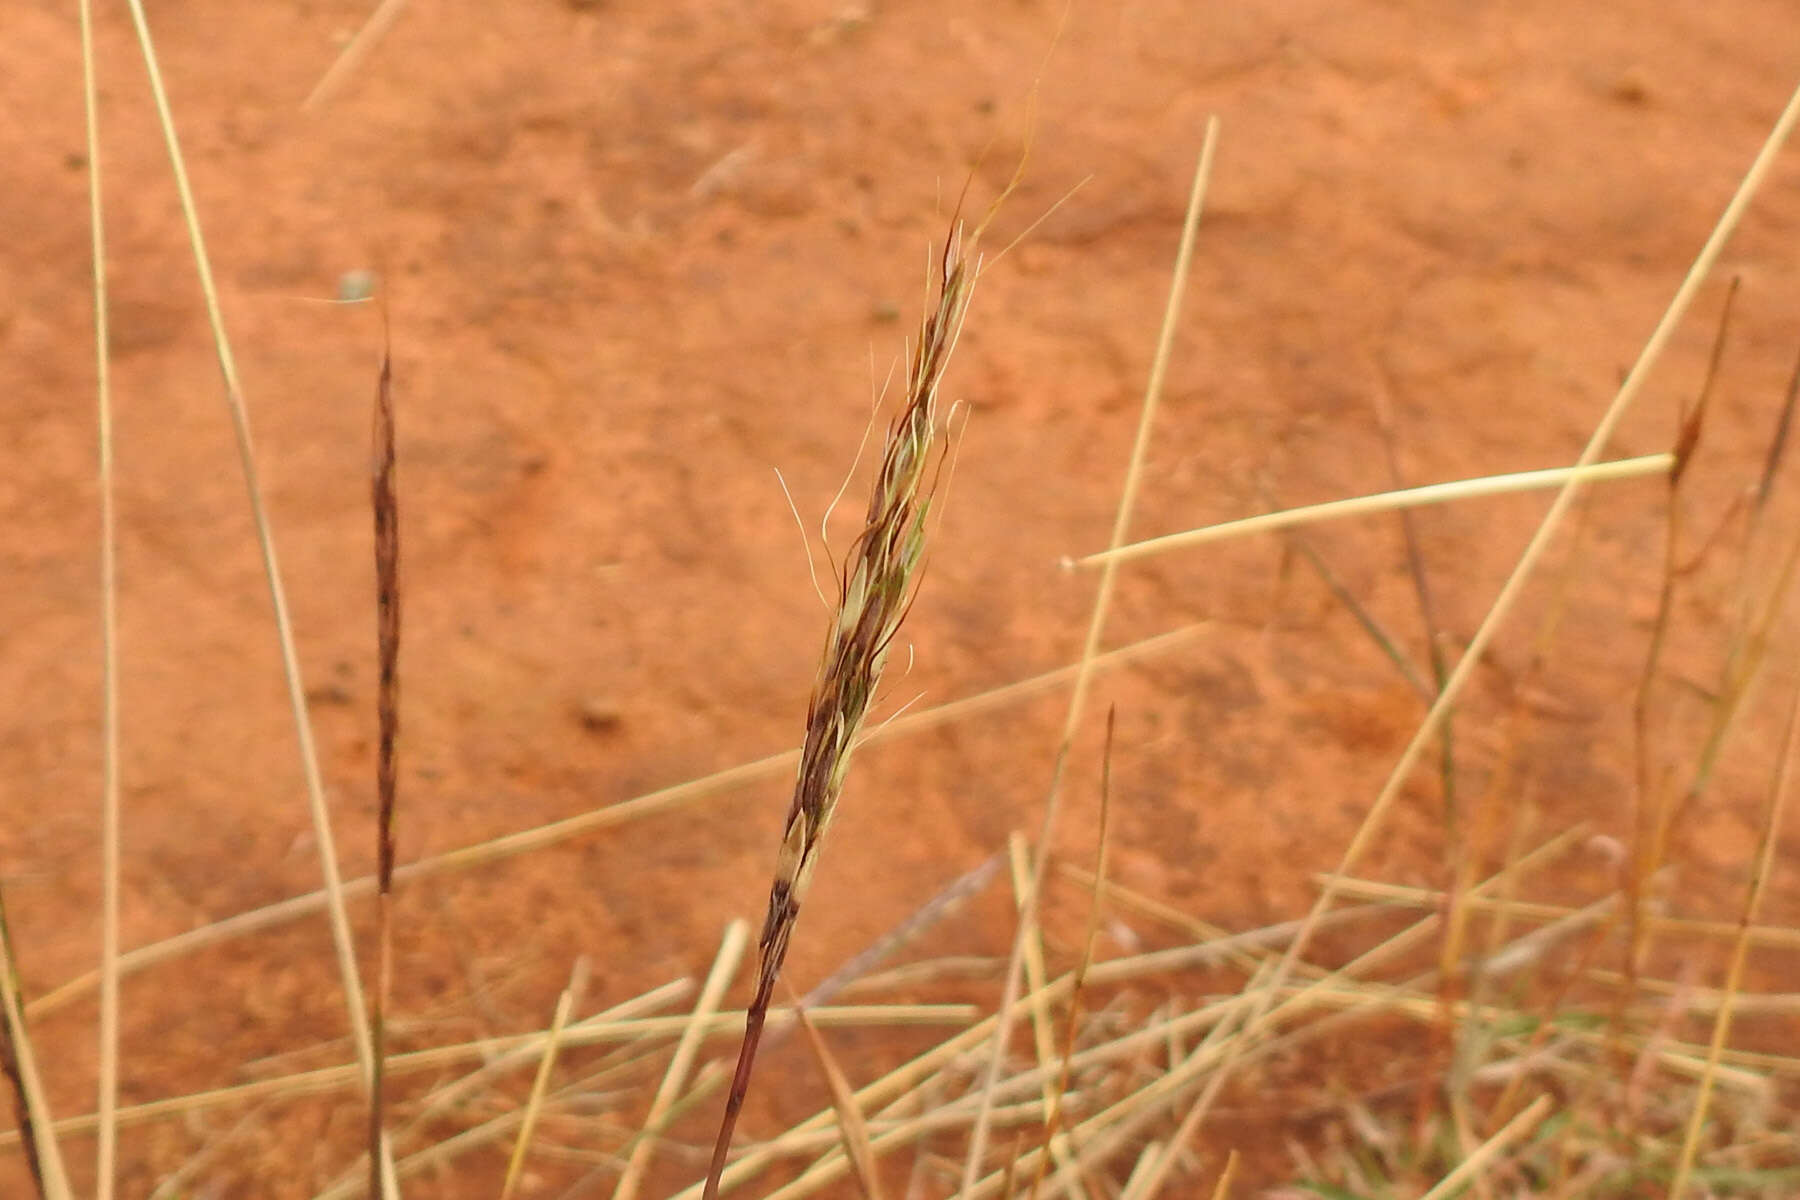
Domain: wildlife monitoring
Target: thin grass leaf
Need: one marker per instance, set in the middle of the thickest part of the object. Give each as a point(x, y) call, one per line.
point(1222, 1189)
point(851, 1126)
point(1740, 950)
point(106, 1151)
point(1096, 630)
point(663, 800)
point(1493, 1148)
point(534, 1105)
point(290, 658)
point(1078, 990)
point(1645, 466)
point(1655, 809)
point(1778, 444)
point(352, 55)
point(1036, 973)
point(724, 970)
point(1427, 730)
point(19, 1066)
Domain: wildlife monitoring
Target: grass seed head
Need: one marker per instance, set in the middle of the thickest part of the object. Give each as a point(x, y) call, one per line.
point(879, 578)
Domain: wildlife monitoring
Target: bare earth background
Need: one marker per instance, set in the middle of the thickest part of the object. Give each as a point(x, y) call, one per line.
point(642, 255)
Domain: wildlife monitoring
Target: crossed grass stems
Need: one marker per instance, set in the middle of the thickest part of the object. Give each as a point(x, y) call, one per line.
point(1536, 1084)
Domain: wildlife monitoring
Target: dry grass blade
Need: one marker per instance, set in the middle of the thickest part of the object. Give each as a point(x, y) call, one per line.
point(180, 1182)
point(1380, 502)
point(19, 1065)
point(565, 1004)
point(876, 587)
point(1096, 630)
point(1540, 540)
point(905, 1084)
point(594, 1031)
point(1655, 807)
point(661, 801)
point(290, 658)
point(724, 970)
point(1693, 424)
point(930, 913)
point(1740, 950)
point(1778, 443)
point(1134, 1182)
point(1386, 642)
point(385, 504)
point(106, 1153)
point(447, 1096)
point(854, 1130)
point(1414, 897)
point(1078, 989)
point(353, 53)
point(1036, 973)
point(1493, 1148)
point(1222, 1190)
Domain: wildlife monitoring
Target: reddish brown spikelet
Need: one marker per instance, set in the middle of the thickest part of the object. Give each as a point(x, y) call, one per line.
point(880, 574)
point(386, 508)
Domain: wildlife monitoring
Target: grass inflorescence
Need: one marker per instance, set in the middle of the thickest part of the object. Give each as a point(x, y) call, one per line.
point(875, 588)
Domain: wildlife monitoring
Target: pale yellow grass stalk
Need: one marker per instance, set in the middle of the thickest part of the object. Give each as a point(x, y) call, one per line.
point(1644, 466)
point(534, 1104)
point(20, 1067)
point(586, 1033)
point(662, 801)
point(1096, 629)
point(724, 970)
point(1740, 950)
point(106, 1151)
point(1484, 1156)
point(290, 658)
point(354, 52)
point(1510, 591)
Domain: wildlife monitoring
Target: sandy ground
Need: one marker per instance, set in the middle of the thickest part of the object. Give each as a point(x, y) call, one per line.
point(643, 256)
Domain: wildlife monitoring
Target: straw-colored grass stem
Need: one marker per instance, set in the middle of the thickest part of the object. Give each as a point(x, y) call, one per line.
point(1740, 949)
point(1643, 466)
point(19, 1066)
point(1502, 1141)
point(1091, 935)
point(1043, 1035)
point(290, 657)
point(662, 801)
point(352, 55)
point(540, 1083)
point(595, 1031)
point(1097, 623)
point(1628, 391)
point(724, 970)
point(853, 1130)
point(1654, 805)
point(107, 1084)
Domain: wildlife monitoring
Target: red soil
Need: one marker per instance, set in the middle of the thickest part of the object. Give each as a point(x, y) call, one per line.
point(642, 256)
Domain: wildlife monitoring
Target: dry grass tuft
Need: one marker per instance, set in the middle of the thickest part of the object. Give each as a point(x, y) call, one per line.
point(1545, 1072)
